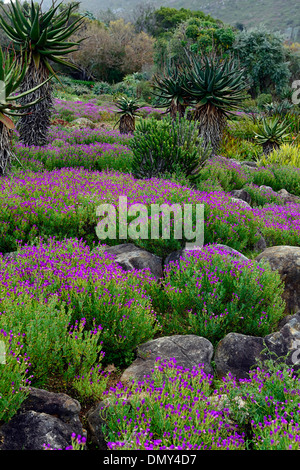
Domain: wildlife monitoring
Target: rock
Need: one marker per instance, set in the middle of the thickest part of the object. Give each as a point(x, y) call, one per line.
point(261, 243)
point(173, 257)
point(56, 404)
point(286, 341)
point(43, 418)
point(82, 123)
point(95, 421)
point(30, 430)
point(131, 257)
point(288, 198)
point(236, 162)
point(286, 260)
point(188, 350)
point(12, 255)
point(241, 194)
point(237, 353)
point(232, 252)
point(240, 202)
point(249, 164)
point(266, 188)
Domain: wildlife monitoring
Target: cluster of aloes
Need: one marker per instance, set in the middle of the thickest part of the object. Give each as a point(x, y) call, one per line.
point(211, 86)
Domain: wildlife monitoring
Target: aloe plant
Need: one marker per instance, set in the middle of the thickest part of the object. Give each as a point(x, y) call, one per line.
point(218, 87)
point(127, 109)
point(44, 37)
point(170, 92)
point(271, 134)
point(12, 72)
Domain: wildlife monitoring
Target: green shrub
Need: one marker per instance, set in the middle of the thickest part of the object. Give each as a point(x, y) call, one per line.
point(13, 375)
point(286, 155)
point(98, 291)
point(102, 88)
point(224, 173)
point(211, 294)
point(263, 99)
point(285, 177)
point(44, 327)
point(260, 197)
point(167, 146)
point(244, 128)
point(172, 408)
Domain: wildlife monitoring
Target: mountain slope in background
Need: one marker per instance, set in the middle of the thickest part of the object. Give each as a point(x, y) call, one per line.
point(276, 15)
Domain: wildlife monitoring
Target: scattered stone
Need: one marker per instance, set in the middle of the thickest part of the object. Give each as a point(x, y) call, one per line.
point(237, 353)
point(266, 188)
point(131, 257)
point(82, 123)
point(286, 260)
point(176, 255)
point(188, 350)
point(261, 243)
point(12, 255)
point(57, 404)
point(43, 418)
point(249, 164)
point(95, 423)
point(232, 252)
point(241, 194)
point(30, 430)
point(240, 202)
point(288, 198)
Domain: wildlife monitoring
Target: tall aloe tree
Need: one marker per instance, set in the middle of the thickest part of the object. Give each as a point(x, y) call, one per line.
point(12, 73)
point(44, 37)
point(218, 87)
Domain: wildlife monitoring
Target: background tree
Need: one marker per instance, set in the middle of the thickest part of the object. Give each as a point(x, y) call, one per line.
point(195, 35)
point(264, 57)
point(109, 53)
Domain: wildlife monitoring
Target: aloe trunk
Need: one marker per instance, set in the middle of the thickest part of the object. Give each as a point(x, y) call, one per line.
point(177, 108)
point(212, 122)
point(127, 124)
point(268, 147)
point(6, 153)
point(34, 126)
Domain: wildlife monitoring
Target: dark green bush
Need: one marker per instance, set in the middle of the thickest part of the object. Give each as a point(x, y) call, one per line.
point(167, 146)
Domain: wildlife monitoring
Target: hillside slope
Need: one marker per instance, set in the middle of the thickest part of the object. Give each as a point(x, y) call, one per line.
point(277, 15)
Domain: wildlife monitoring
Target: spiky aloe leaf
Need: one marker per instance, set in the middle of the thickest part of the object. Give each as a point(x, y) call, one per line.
point(45, 34)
